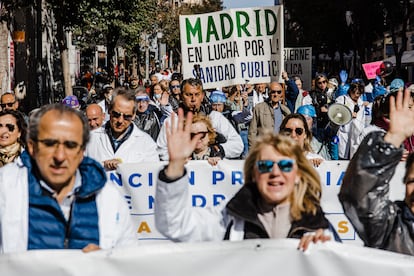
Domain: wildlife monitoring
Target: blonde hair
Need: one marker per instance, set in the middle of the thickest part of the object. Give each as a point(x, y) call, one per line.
point(306, 194)
point(199, 118)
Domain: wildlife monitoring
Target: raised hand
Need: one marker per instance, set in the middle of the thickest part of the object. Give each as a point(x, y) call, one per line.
point(343, 75)
point(401, 118)
point(179, 142)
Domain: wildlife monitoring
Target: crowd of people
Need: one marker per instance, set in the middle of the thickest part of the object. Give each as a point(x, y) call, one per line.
point(54, 193)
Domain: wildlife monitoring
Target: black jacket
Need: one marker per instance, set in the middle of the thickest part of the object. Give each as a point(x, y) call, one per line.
point(364, 195)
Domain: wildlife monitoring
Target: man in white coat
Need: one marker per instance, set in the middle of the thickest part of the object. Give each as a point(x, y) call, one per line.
point(192, 98)
point(53, 197)
point(120, 140)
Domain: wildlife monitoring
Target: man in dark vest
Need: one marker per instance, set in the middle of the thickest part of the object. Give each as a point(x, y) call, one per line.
point(54, 197)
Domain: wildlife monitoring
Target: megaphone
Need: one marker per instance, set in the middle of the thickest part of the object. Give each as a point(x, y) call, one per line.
point(339, 114)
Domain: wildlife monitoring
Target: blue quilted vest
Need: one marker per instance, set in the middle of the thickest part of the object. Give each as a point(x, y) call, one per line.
point(48, 228)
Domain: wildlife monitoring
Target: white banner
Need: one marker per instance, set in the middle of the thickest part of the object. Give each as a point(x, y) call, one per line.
point(232, 46)
point(298, 62)
point(210, 185)
point(249, 257)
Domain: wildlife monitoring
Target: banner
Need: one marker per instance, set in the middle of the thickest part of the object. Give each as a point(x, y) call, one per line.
point(248, 257)
point(210, 185)
point(298, 61)
point(233, 46)
point(370, 69)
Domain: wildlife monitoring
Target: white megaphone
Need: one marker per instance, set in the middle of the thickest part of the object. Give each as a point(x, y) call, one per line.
point(339, 114)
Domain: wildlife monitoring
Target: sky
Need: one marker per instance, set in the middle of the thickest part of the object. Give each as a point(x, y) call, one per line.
point(230, 4)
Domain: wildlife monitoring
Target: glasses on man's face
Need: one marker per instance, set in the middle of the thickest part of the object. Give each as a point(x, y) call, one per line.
point(266, 166)
point(275, 92)
point(10, 127)
point(322, 82)
point(204, 133)
point(117, 115)
point(7, 104)
point(53, 144)
point(288, 131)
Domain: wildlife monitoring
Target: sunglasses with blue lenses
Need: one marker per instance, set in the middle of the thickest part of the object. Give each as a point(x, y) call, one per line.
point(266, 166)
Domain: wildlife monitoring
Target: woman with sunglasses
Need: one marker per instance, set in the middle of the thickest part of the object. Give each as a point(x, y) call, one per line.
point(207, 147)
point(12, 135)
point(280, 197)
point(296, 127)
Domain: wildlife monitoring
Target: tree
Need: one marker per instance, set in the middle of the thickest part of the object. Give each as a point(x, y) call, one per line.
point(114, 23)
point(169, 23)
point(67, 15)
point(321, 24)
point(397, 15)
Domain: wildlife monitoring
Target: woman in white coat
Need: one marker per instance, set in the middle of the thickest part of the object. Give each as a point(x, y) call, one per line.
point(280, 197)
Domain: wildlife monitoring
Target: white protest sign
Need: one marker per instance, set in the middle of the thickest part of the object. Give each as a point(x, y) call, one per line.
point(298, 61)
point(210, 185)
point(231, 46)
point(245, 258)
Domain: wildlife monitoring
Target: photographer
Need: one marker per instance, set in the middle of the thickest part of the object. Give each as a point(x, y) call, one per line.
point(319, 97)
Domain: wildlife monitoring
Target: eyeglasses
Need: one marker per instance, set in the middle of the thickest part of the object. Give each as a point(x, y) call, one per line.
point(53, 144)
point(266, 166)
point(275, 91)
point(117, 115)
point(204, 133)
point(7, 104)
point(288, 131)
point(322, 82)
point(10, 127)
point(174, 86)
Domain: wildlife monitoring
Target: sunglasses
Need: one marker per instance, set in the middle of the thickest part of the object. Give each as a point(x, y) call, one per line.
point(266, 166)
point(7, 104)
point(275, 91)
point(174, 86)
point(117, 115)
point(10, 127)
point(322, 82)
point(288, 131)
point(204, 133)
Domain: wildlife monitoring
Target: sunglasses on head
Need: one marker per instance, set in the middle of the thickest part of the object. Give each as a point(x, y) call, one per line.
point(266, 166)
point(10, 127)
point(288, 131)
point(7, 104)
point(204, 133)
point(117, 115)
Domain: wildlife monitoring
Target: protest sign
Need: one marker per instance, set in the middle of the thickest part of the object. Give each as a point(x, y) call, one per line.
point(212, 185)
point(232, 46)
point(298, 62)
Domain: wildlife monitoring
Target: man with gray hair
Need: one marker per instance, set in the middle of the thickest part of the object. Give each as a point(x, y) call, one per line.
point(120, 140)
point(53, 197)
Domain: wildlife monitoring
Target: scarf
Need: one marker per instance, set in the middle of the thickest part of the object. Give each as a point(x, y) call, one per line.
point(9, 153)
